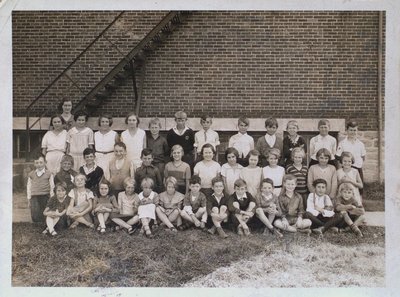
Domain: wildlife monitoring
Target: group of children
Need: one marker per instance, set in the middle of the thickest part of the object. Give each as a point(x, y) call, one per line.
point(139, 182)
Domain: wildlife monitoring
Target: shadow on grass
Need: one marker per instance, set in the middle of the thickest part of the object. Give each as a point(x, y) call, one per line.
point(83, 257)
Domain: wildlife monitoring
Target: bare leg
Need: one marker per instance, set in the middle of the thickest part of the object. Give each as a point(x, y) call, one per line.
point(51, 222)
point(278, 224)
point(163, 217)
point(100, 217)
point(261, 215)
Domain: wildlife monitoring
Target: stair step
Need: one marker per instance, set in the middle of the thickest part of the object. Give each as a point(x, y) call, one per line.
point(121, 76)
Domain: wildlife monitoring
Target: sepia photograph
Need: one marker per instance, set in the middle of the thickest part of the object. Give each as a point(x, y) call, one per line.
point(198, 147)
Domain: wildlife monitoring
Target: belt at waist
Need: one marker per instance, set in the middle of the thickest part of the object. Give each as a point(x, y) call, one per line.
point(277, 187)
point(104, 152)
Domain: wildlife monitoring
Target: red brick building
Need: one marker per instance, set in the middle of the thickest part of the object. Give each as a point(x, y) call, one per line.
point(303, 65)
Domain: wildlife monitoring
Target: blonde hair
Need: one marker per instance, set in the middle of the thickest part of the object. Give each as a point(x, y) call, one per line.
point(298, 150)
point(292, 123)
point(274, 152)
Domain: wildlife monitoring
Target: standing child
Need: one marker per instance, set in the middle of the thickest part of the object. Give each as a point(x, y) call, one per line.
point(178, 169)
point(320, 209)
point(134, 139)
point(93, 173)
point(194, 205)
point(291, 205)
point(273, 170)
point(269, 141)
point(158, 144)
point(128, 203)
point(68, 117)
point(325, 171)
point(348, 174)
point(267, 207)
point(217, 207)
point(205, 135)
point(104, 141)
point(207, 169)
point(104, 204)
point(230, 171)
point(354, 146)
point(351, 209)
point(241, 141)
point(66, 174)
point(120, 168)
point(300, 171)
point(170, 204)
point(56, 209)
point(323, 140)
point(184, 136)
point(147, 170)
point(79, 138)
point(54, 143)
point(148, 199)
point(252, 174)
point(241, 205)
point(39, 188)
point(81, 203)
point(291, 141)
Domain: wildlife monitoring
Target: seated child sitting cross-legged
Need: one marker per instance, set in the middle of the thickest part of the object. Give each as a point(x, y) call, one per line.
point(170, 204)
point(291, 205)
point(194, 205)
point(56, 209)
point(350, 208)
point(320, 209)
point(148, 199)
point(241, 205)
point(81, 203)
point(268, 207)
point(217, 207)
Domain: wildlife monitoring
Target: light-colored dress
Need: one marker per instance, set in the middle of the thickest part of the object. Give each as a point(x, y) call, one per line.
point(104, 146)
point(207, 171)
point(147, 205)
point(276, 174)
point(231, 174)
point(55, 148)
point(134, 145)
point(79, 140)
point(252, 177)
point(352, 175)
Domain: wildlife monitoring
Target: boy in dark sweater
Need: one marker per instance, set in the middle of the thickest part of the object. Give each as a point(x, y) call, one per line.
point(93, 173)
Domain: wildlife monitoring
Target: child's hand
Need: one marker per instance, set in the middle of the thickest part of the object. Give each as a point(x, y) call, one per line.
point(285, 223)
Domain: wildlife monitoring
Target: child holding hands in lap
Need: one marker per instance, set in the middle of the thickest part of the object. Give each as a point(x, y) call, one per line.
point(56, 209)
point(104, 204)
point(348, 174)
point(148, 199)
point(217, 207)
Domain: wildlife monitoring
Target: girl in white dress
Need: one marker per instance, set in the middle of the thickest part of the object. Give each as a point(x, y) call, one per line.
point(230, 171)
point(148, 199)
point(273, 170)
point(134, 139)
point(79, 138)
point(104, 141)
point(54, 144)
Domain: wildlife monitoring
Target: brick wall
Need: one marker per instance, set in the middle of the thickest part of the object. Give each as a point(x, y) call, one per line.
point(284, 64)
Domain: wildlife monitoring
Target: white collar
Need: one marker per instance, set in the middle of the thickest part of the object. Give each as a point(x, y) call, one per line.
point(180, 133)
point(40, 172)
point(151, 196)
point(87, 170)
point(243, 197)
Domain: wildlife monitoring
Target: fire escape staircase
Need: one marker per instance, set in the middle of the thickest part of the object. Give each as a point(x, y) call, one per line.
point(117, 76)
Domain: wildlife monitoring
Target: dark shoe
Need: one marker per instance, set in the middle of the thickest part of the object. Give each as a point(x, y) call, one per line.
point(277, 233)
point(221, 232)
point(212, 230)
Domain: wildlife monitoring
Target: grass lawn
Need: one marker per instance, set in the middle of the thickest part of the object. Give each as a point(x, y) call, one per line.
point(374, 197)
point(83, 257)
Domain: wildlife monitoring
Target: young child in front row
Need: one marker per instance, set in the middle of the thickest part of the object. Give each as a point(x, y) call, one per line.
point(252, 174)
point(230, 171)
point(348, 174)
point(300, 171)
point(273, 170)
point(207, 168)
point(81, 203)
point(351, 209)
point(320, 209)
point(66, 173)
point(269, 141)
point(56, 209)
point(170, 204)
point(194, 205)
point(104, 204)
point(241, 141)
point(325, 171)
point(148, 199)
point(217, 207)
point(147, 169)
point(323, 140)
point(128, 202)
point(93, 173)
point(205, 135)
point(39, 188)
point(267, 207)
point(291, 205)
point(292, 141)
point(178, 169)
point(241, 205)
